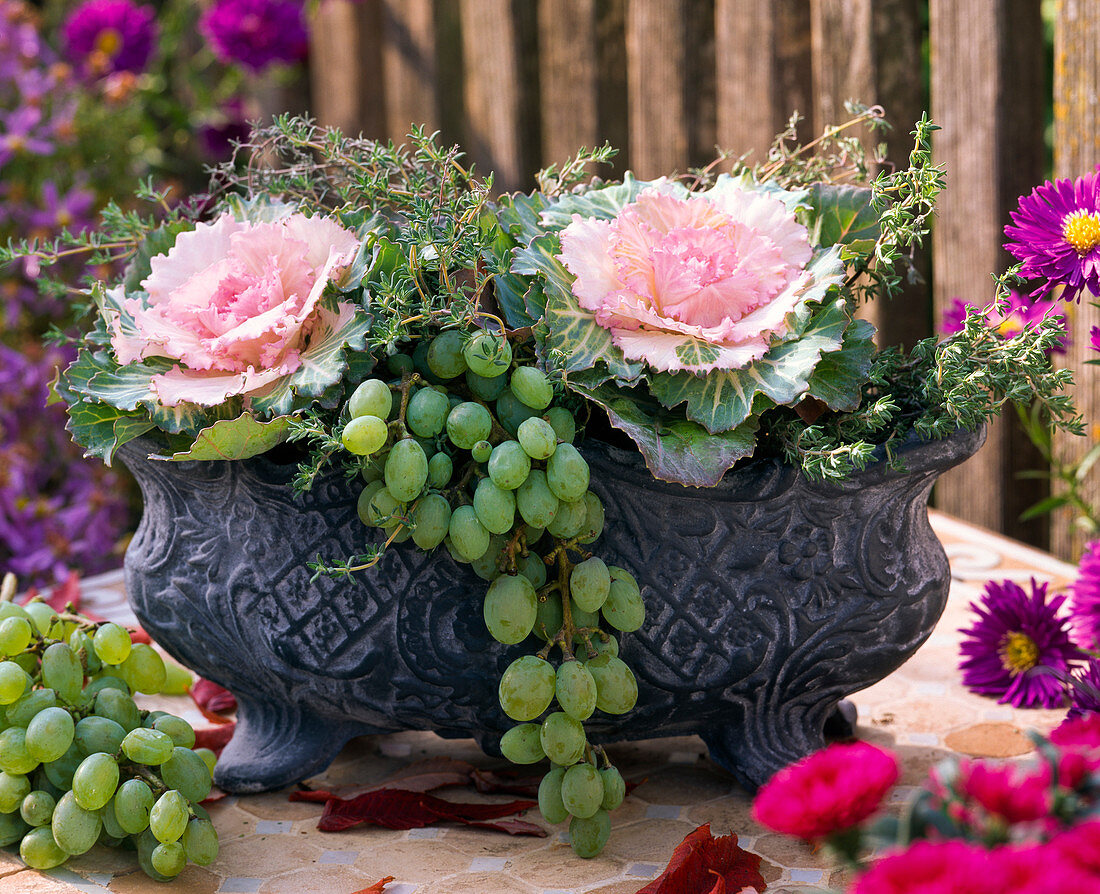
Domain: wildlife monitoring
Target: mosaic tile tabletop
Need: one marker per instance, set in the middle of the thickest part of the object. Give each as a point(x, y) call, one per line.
point(271, 846)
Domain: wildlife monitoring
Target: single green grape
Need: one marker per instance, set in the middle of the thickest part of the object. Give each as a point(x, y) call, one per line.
point(593, 519)
point(563, 423)
point(567, 473)
point(494, 506)
point(132, 804)
point(112, 643)
point(582, 790)
point(95, 781)
point(208, 758)
point(467, 424)
point(487, 566)
point(14, 787)
point(562, 738)
point(526, 687)
point(23, 711)
point(60, 772)
point(614, 788)
point(569, 520)
point(484, 388)
point(445, 355)
point(169, 859)
point(537, 437)
point(510, 608)
point(549, 615)
point(588, 835)
point(14, 681)
point(481, 451)
point(624, 609)
point(509, 465)
point(382, 508)
point(581, 618)
point(511, 412)
point(487, 354)
point(62, 672)
point(467, 533)
point(111, 827)
point(39, 850)
point(12, 828)
point(589, 584)
point(74, 829)
point(177, 679)
point(616, 687)
point(440, 469)
point(36, 808)
point(431, 521)
point(575, 690)
point(169, 816)
point(550, 803)
point(143, 669)
point(15, 635)
point(533, 568)
point(522, 745)
point(532, 387)
point(536, 503)
point(406, 470)
point(364, 435)
point(49, 734)
point(147, 746)
point(427, 412)
point(187, 773)
point(40, 615)
point(116, 705)
point(400, 364)
point(180, 731)
point(200, 841)
point(371, 398)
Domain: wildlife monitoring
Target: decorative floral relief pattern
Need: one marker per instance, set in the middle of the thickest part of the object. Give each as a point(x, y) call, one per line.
point(769, 599)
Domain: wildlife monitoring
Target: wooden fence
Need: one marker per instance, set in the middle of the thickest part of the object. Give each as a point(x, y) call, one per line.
point(524, 83)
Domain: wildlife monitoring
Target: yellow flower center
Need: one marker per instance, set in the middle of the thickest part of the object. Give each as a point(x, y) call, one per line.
point(1018, 652)
point(108, 42)
point(1082, 231)
point(1010, 328)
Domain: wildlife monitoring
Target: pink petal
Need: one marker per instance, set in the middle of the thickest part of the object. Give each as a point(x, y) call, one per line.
point(323, 237)
point(658, 349)
point(193, 252)
point(585, 252)
point(208, 389)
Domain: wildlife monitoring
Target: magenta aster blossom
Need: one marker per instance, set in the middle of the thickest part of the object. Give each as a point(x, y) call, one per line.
point(1085, 609)
point(1057, 235)
point(829, 791)
point(1094, 338)
point(1017, 641)
point(256, 33)
point(1022, 313)
point(105, 36)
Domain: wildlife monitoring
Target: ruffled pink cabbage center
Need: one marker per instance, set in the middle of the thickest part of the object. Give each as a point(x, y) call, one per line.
point(234, 302)
point(724, 268)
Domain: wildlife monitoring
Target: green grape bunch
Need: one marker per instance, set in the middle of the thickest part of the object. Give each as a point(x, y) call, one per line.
point(466, 445)
point(80, 763)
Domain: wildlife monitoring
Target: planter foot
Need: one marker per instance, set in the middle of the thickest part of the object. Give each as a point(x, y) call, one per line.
point(762, 744)
point(275, 745)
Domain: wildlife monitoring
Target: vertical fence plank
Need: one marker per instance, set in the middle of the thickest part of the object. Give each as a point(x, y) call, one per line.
point(611, 88)
point(762, 58)
point(987, 97)
point(409, 65)
point(346, 46)
point(655, 32)
point(567, 77)
point(868, 50)
point(1077, 152)
point(494, 90)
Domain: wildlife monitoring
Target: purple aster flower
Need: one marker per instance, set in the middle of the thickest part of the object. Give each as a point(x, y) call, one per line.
point(1094, 338)
point(1085, 691)
point(256, 33)
point(63, 212)
point(1018, 648)
point(105, 36)
point(1057, 235)
point(18, 134)
point(1085, 608)
point(1022, 313)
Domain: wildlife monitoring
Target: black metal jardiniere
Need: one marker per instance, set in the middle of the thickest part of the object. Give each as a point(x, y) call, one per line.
point(769, 599)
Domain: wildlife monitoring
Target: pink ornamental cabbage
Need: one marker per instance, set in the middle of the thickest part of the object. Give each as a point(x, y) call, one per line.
point(234, 302)
point(723, 268)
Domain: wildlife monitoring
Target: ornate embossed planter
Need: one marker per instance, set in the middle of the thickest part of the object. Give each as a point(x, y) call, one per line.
point(769, 599)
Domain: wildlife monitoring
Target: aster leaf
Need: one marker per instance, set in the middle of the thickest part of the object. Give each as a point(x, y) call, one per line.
point(231, 439)
point(722, 400)
point(674, 449)
point(323, 362)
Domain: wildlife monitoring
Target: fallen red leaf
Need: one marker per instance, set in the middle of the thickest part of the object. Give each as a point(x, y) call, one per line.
point(700, 857)
point(215, 737)
point(213, 700)
point(400, 809)
point(377, 887)
point(216, 794)
point(66, 592)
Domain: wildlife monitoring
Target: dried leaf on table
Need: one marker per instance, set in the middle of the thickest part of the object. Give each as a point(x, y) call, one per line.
point(215, 737)
point(377, 887)
point(212, 700)
point(399, 809)
point(703, 864)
